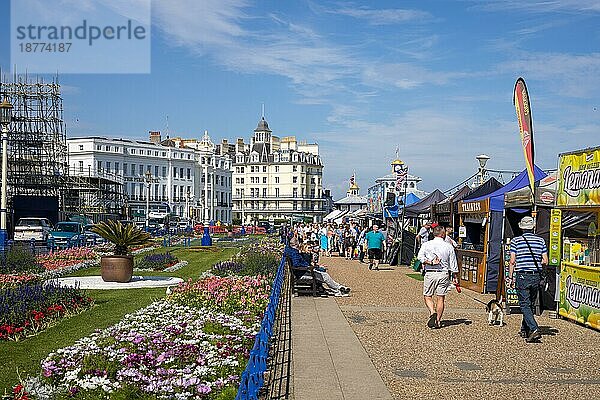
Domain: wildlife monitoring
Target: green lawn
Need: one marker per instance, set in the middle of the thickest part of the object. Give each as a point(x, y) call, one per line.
point(418, 276)
point(110, 307)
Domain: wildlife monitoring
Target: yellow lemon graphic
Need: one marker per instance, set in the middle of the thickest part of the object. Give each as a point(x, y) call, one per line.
point(594, 320)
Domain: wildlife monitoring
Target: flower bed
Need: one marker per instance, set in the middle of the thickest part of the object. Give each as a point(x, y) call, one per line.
point(156, 261)
point(193, 344)
point(67, 257)
point(257, 259)
point(30, 308)
point(245, 297)
point(166, 349)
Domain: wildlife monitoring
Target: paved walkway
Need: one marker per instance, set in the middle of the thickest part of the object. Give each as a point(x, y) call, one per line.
point(465, 359)
point(329, 360)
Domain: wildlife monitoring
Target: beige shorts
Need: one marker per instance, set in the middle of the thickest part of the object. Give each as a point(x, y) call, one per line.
point(436, 282)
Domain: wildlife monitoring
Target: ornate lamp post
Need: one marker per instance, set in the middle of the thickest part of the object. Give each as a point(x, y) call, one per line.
point(5, 120)
point(148, 179)
point(401, 170)
point(483, 159)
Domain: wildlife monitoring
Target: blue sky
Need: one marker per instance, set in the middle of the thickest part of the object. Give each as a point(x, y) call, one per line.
point(434, 78)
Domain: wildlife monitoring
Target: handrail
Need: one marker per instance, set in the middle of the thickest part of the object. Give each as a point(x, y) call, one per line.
point(253, 377)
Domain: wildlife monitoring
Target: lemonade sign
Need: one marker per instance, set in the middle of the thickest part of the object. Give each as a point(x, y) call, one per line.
point(580, 294)
point(579, 179)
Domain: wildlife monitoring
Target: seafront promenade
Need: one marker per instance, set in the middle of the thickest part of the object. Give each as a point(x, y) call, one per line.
point(375, 345)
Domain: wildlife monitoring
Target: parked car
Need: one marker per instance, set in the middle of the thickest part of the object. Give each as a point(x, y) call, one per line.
point(32, 228)
point(66, 232)
point(92, 237)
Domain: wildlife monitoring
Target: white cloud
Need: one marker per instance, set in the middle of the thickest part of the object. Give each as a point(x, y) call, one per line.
point(568, 74)
point(384, 16)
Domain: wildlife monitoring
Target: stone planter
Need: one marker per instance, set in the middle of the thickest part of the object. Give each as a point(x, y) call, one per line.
point(116, 268)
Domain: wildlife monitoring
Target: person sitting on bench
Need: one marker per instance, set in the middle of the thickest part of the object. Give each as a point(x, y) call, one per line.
point(302, 267)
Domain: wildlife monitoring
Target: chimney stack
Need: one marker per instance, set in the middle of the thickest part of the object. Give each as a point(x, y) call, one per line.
point(155, 137)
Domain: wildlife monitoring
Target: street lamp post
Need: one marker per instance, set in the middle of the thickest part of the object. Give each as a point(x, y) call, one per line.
point(401, 171)
point(5, 120)
point(148, 176)
point(483, 159)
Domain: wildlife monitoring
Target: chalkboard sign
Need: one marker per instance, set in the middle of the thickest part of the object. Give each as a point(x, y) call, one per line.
point(510, 295)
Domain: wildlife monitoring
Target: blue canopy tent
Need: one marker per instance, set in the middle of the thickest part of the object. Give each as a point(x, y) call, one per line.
point(494, 236)
point(392, 212)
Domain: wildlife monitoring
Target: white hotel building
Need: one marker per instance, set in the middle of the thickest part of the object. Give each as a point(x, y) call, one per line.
point(277, 179)
point(182, 177)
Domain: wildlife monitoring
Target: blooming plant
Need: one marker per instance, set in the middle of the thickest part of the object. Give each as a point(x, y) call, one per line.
point(256, 259)
point(166, 349)
point(67, 257)
point(242, 296)
point(157, 261)
point(28, 309)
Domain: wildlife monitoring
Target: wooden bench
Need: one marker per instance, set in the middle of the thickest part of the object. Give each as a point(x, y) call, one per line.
point(305, 285)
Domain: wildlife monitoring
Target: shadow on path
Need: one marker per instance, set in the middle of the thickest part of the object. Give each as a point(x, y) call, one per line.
point(458, 321)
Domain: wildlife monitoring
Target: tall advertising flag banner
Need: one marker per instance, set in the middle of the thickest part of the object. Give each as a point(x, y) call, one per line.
point(523, 108)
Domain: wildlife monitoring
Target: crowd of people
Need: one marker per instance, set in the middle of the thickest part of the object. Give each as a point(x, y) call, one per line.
point(436, 253)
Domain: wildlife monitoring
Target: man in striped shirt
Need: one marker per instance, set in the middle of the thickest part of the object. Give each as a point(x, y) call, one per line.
point(528, 253)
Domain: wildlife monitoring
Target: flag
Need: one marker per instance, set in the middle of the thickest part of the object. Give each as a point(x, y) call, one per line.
point(400, 177)
point(523, 109)
point(352, 180)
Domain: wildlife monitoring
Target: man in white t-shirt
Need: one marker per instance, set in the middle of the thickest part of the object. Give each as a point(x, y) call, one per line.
point(439, 260)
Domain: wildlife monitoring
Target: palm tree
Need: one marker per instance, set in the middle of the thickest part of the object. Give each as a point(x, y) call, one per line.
point(122, 236)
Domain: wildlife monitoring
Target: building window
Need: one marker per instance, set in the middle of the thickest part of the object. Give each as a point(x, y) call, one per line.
point(295, 204)
point(264, 179)
point(189, 173)
point(277, 168)
point(99, 165)
point(181, 173)
point(264, 168)
point(174, 172)
point(276, 179)
point(295, 179)
point(295, 192)
point(132, 151)
point(277, 193)
point(295, 168)
point(140, 169)
point(264, 192)
point(124, 168)
point(116, 168)
point(80, 147)
point(156, 171)
point(108, 166)
point(80, 166)
point(164, 172)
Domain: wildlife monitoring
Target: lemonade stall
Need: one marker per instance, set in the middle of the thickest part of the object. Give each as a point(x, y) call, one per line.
point(578, 189)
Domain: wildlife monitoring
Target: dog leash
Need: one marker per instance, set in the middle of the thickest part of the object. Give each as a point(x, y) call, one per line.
point(471, 297)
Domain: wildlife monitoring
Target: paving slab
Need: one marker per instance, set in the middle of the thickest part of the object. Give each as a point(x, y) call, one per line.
point(330, 363)
point(137, 282)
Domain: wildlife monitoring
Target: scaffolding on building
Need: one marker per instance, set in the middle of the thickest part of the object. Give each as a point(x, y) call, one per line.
point(38, 155)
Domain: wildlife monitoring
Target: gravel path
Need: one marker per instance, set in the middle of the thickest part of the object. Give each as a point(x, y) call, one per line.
point(466, 358)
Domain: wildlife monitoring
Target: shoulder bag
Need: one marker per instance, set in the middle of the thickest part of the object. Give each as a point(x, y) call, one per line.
point(543, 281)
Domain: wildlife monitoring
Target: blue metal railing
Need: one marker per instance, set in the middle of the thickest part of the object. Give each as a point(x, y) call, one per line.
point(252, 379)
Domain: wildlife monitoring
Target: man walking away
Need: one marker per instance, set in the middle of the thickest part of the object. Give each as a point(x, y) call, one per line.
point(439, 260)
point(528, 253)
point(375, 241)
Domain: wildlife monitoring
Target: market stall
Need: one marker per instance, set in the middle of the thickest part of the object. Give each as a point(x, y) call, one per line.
point(579, 189)
point(517, 204)
point(480, 235)
point(445, 212)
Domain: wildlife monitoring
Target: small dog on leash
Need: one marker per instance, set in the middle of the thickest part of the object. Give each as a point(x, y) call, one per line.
point(495, 312)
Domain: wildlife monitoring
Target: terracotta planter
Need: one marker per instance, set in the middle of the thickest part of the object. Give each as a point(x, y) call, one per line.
point(116, 268)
